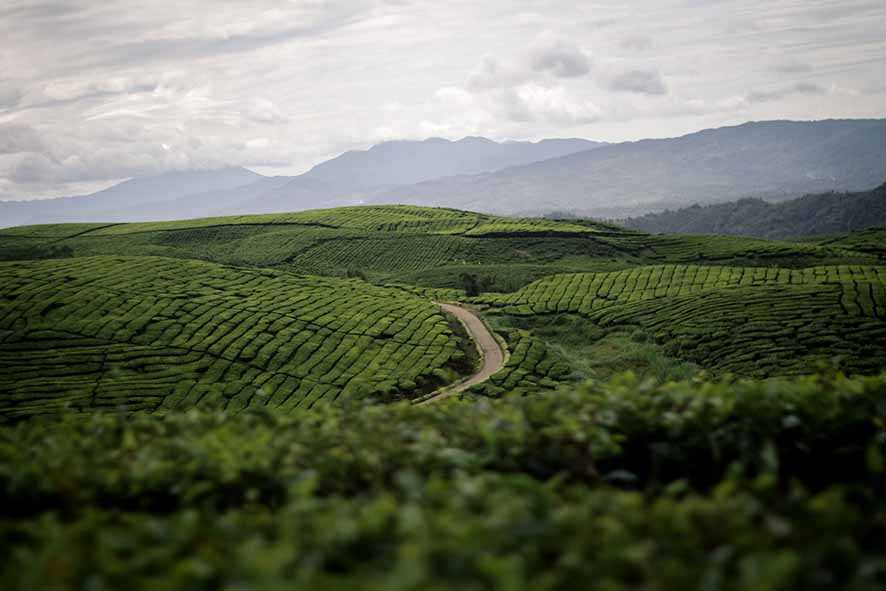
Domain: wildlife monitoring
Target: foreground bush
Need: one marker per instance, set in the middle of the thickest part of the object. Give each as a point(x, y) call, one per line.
point(624, 485)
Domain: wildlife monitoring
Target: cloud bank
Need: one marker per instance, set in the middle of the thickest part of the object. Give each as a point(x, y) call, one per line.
point(94, 91)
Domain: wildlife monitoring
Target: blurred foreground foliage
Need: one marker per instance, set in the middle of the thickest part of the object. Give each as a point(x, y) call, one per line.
point(626, 484)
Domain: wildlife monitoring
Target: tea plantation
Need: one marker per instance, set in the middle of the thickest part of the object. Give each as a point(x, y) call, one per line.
point(425, 246)
point(229, 403)
point(149, 333)
point(754, 321)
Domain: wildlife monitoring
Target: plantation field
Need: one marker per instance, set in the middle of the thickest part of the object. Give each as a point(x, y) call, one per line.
point(156, 334)
point(756, 321)
point(423, 246)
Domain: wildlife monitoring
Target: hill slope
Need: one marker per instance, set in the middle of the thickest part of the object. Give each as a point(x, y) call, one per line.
point(760, 321)
point(422, 246)
point(124, 299)
point(773, 159)
point(811, 215)
point(158, 334)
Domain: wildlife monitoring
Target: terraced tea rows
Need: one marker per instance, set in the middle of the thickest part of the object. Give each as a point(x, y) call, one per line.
point(381, 254)
point(585, 292)
point(160, 334)
point(531, 366)
point(530, 226)
point(720, 249)
point(433, 247)
point(758, 321)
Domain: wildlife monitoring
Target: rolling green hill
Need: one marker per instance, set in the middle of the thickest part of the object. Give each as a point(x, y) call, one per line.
point(753, 321)
point(413, 245)
point(293, 310)
point(159, 334)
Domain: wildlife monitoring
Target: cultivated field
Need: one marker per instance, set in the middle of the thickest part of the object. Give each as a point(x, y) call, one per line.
point(753, 321)
point(288, 311)
point(149, 333)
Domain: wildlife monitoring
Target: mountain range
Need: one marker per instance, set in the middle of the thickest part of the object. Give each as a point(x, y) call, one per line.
point(772, 160)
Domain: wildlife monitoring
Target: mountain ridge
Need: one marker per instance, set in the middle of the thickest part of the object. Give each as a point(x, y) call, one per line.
point(774, 160)
point(811, 215)
point(342, 180)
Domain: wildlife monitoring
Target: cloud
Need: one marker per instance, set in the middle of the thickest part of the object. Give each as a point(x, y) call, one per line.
point(531, 87)
point(640, 82)
point(491, 73)
point(792, 68)
point(548, 55)
point(532, 102)
point(74, 89)
point(559, 57)
point(800, 88)
point(15, 139)
point(264, 111)
point(455, 95)
point(95, 89)
point(637, 43)
point(9, 96)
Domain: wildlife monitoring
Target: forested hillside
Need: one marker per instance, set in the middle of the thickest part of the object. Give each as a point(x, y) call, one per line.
point(811, 215)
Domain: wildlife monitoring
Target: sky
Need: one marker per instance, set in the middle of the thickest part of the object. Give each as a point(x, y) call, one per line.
point(96, 91)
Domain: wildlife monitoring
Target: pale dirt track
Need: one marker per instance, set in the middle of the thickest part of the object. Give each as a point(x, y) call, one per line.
point(491, 351)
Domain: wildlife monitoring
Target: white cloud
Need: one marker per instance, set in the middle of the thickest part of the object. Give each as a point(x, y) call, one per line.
point(264, 111)
point(16, 139)
point(640, 82)
point(800, 88)
point(533, 102)
point(492, 73)
point(559, 57)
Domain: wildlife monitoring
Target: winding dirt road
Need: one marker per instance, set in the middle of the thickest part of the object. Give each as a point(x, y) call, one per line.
point(491, 351)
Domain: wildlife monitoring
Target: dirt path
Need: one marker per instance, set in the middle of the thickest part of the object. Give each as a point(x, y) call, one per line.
point(492, 353)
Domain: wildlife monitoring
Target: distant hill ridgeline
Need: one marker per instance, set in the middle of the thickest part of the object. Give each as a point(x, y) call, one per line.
point(811, 215)
point(344, 180)
point(768, 159)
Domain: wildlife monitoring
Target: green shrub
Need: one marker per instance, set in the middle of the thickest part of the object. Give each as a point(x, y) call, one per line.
point(624, 485)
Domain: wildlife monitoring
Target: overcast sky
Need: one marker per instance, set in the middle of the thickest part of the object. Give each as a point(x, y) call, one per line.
point(93, 91)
